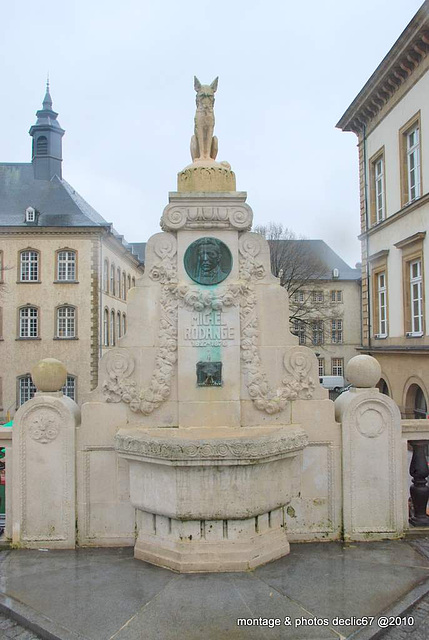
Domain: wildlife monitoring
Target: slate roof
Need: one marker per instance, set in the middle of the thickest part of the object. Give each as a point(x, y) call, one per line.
point(58, 204)
point(318, 250)
point(139, 249)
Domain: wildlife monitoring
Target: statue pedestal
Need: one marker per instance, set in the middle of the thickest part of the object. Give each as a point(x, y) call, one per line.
point(212, 499)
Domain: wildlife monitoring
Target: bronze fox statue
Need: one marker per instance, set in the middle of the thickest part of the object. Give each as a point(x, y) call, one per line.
point(204, 144)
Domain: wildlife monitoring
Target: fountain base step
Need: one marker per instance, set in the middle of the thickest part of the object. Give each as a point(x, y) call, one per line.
point(213, 545)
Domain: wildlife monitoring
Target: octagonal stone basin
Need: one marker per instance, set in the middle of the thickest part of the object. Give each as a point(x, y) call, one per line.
point(212, 474)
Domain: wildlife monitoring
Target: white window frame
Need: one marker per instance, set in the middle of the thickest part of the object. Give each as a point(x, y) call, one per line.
point(380, 206)
point(124, 324)
point(106, 276)
point(69, 389)
point(317, 332)
point(26, 389)
point(318, 296)
point(321, 366)
point(337, 366)
point(112, 279)
point(413, 163)
point(382, 304)
point(29, 266)
point(30, 214)
point(66, 322)
point(106, 321)
point(299, 330)
point(298, 296)
point(416, 297)
point(66, 265)
point(112, 328)
point(29, 322)
point(337, 331)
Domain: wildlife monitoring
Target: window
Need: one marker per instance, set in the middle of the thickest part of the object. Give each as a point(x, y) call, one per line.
point(119, 325)
point(124, 286)
point(298, 296)
point(69, 389)
point(118, 283)
point(66, 322)
point(106, 276)
point(337, 365)
point(124, 324)
point(377, 187)
point(129, 282)
point(26, 389)
point(336, 296)
point(112, 328)
point(112, 280)
point(337, 331)
point(299, 330)
point(30, 214)
point(106, 328)
point(382, 304)
point(411, 178)
point(66, 265)
point(416, 297)
point(134, 282)
point(29, 322)
point(413, 164)
point(321, 366)
point(317, 296)
point(317, 331)
point(29, 266)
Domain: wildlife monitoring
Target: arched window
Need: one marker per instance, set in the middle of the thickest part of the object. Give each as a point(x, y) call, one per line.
point(42, 146)
point(124, 286)
point(29, 322)
point(66, 322)
point(118, 282)
point(106, 328)
point(69, 388)
point(106, 276)
point(415, 403)
point(112, 280)
point(26, 389)
point(129, 282)
point(112, 328)
point(119, 325)
point(66, 265)
point(29, 266)
point(382, 386)
point(134, 282)
point(124, 324)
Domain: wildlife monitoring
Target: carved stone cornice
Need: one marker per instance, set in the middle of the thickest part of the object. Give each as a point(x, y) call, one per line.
point(225, 211)
point(180, 445)
point(402, 61)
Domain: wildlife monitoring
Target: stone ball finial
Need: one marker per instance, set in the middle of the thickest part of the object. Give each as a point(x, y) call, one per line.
point(363, 371)
point(49, 375)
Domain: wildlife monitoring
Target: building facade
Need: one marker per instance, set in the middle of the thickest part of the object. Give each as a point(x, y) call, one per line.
point(390, 117)
point(325, 309)
point(65, 273)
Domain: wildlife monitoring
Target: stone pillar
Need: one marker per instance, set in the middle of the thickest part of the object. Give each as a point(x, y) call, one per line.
point(371, 445)
point(44, 485)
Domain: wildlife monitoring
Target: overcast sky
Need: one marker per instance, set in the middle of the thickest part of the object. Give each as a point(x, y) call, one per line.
point(122, 81)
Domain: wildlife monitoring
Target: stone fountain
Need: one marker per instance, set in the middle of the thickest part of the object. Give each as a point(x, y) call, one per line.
point(208, 372)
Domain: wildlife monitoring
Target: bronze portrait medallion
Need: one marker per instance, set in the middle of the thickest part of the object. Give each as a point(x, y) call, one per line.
point(208, 261)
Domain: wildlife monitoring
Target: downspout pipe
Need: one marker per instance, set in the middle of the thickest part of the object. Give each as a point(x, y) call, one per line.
point(368, 282)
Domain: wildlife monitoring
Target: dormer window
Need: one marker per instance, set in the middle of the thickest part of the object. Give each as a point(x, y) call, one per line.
point(335, 273)
point(42, 146)
point(30, 214)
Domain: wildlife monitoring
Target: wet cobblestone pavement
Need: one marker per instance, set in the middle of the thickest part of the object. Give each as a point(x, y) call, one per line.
point(11, 630)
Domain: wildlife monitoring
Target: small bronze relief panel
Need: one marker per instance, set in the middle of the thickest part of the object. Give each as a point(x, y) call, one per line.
point(209, 374)
point(208, 261)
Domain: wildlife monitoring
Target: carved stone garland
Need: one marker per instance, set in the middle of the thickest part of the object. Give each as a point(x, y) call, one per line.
point(119, 364)
point(296, 361)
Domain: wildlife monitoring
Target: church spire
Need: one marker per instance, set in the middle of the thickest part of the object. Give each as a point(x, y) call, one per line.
point(47, 141)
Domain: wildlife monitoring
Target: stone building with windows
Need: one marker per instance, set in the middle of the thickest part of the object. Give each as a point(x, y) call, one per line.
point(65, 273)
point(390, 117)
point(325, 310)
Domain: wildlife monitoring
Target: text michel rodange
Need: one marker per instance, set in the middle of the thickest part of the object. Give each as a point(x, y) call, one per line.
point(208, 330)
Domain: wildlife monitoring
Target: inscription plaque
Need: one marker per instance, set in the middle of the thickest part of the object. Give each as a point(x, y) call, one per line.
point(208, 261)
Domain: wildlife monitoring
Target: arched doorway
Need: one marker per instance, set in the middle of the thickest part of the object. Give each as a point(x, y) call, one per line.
point(415, 403)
